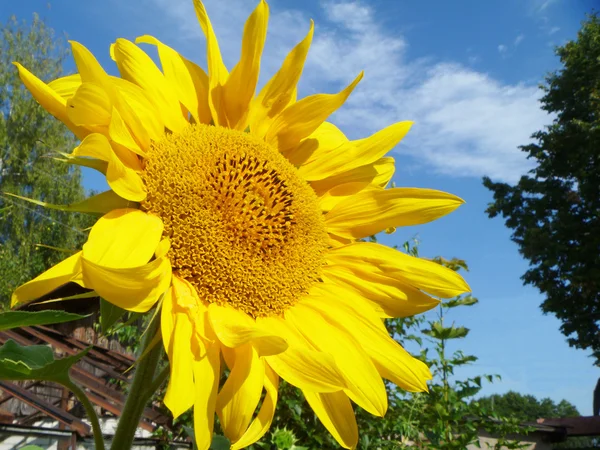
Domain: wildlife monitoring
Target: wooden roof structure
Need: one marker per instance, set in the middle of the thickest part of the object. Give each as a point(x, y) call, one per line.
point(100, 373)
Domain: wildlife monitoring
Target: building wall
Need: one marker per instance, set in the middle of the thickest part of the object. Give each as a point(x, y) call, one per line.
point(534, 441)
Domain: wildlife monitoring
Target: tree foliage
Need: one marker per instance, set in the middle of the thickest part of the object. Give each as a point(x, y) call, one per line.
point(29, 138)
point(554, 211)
point(527, 408)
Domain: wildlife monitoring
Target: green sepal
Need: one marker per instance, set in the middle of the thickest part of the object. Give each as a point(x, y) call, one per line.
point(17, 319)
point(109, 315)
point(97, 204)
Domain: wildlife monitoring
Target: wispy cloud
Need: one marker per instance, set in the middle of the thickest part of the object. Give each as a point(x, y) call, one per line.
point(519, 39)
point(466, 122)
point(541, 11)
point(502, 49)
point(540, 6)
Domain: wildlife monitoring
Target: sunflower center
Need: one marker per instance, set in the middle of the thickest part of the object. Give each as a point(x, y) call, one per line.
point(246, 230)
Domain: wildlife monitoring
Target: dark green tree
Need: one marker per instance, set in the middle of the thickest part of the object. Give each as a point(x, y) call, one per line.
point(29, 138)
point(554, 211)
point(527, 408)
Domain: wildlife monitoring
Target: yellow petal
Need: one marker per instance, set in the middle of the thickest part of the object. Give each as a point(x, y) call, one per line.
point(88, 66)
point(185, 295)
point(137, 67)
point(140, 102)
point(308, 369)
point(241, 84)
point(190, 83)
point(162, 248)
point(66, 271)
point(354, 153)
point(206, 378)
point(280, 90)
point(123, 180)
point(336, 189)
point(365, 386)
point(90, 106)
point(336, 241)
point(181, 382)
point(326, 138)
point(260, 425)
point(135, 289)
point(91, 71)
point(49, 99)
point(349, 311)
point(187, 300)
point(388, 296)
point(373, 210)
point(66, 86)
point(235, 328)
point(300, 119)
point(378, 173)
point(123, 238)
point(301, 365)
point(385, 168)
point(124, 143)
point(420, 273)
point(241, 392)
point(200, 79)
point(167, 317)
point(217, 72)
point(327, 294)
point(335, 412)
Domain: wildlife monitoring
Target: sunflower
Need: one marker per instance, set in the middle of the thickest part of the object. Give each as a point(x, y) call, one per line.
point(244, 216)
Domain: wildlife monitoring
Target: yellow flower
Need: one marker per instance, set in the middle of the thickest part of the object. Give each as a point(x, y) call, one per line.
point(245, 214)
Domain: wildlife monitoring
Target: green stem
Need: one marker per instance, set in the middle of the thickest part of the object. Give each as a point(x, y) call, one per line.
point(138, 395)
point(159, 380)
point(89, 409)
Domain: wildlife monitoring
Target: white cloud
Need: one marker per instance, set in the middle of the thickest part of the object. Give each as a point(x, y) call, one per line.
point(519, 39)
point(540, 6)
point(466, 122)
point(502, 48)
point(553, 30)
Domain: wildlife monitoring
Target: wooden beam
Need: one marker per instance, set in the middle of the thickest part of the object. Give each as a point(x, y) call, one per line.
point(576, 426)
point(7, 397)
point(6, 417)
point(56, 413)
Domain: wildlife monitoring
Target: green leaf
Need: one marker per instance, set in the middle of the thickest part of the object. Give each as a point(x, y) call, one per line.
point(31, 447)
point(34, 362)
point(438, 331)
point(464, 301)
point(109, 314)
point(90, 294)
point(462, 360)
point(220, 443)
point(16, 319)
point(97, 204)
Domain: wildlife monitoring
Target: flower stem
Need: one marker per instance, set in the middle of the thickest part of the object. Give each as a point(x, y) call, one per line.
point(160, 378)
point(89, 409)
point(138, 394)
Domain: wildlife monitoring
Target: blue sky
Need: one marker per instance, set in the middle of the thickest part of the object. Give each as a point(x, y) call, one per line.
point(466, 73)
